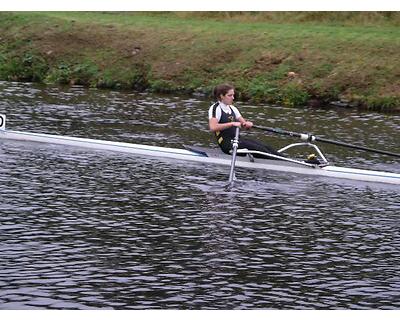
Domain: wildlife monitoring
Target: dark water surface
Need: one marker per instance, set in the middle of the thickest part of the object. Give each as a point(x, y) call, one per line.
point(85, 229)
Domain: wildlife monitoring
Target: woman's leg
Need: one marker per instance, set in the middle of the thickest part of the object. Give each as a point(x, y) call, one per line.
point(257, 146)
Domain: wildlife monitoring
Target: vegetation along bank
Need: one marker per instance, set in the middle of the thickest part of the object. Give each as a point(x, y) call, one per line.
point(291, 59)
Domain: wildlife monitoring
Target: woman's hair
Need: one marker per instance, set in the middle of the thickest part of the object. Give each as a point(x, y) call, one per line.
point(221, 89)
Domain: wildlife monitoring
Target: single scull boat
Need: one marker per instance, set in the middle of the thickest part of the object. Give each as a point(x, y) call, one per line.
point(212, 156)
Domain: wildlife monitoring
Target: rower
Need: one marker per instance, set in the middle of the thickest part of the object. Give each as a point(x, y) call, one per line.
point(224, 118)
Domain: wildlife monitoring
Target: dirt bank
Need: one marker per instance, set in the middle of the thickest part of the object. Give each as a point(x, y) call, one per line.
point(292, 64)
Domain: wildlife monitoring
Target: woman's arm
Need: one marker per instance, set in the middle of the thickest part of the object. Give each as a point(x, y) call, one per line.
point(215, 126)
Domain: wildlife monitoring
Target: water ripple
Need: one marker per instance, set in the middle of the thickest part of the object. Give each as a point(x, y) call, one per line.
point(82, 229)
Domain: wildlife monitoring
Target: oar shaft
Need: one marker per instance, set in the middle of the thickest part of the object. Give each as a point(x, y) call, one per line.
point(279, 131)
point(348, 145)
point(312, 138)
point(234, 152)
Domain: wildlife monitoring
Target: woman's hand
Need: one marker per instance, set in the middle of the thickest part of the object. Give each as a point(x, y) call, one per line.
point(247, 125)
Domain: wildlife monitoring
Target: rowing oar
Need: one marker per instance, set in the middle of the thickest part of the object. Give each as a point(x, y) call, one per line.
point(312, 138)
point(235, 145)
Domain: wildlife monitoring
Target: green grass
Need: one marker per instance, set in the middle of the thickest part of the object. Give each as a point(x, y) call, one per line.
point(335, 55)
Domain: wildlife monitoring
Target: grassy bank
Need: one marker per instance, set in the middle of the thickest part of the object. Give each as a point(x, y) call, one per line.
point(291, 59)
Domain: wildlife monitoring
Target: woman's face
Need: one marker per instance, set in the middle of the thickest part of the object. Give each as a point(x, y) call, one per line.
point(228, 97)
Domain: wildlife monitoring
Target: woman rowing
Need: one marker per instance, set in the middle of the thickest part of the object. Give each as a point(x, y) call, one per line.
point(224, 118)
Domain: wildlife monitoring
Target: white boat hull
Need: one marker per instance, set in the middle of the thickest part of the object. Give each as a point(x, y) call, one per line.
point(215, 157)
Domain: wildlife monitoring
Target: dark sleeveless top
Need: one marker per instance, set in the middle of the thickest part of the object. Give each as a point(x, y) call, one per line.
point(225, 137)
